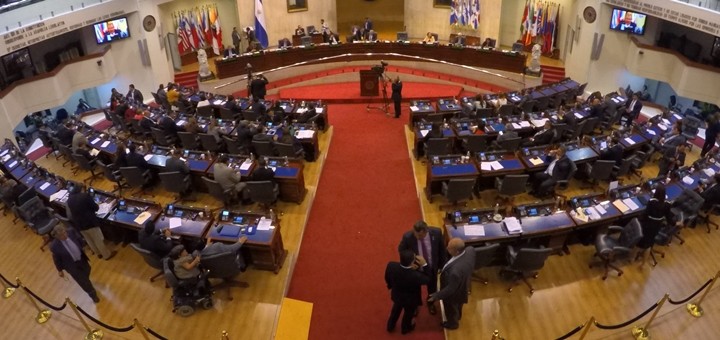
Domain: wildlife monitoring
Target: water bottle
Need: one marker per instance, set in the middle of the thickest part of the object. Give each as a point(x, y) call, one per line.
point(286, 161)
point(272, 216)
point(252, 157)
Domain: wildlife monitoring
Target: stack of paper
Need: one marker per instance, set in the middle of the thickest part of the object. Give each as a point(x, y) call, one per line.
point(305, 134)
point(592, 213)
point(181, 122)
point(94, 152)
point(525, 123)
point(144, 216)
point(6, 157)
point(175, 222)
point(59, 196)
point(536, 161)
point(630, 203)
point(413, 108)
point(4, 152)
point(103, 209)
point(512, 225)
point(629, 140)
point(246, 164)
point(621, 206)
point(600, 209)
point(148, 156)
point(301, 110)
point(474, 230)
point(319, 109)
point(95, 141)
point(485, 166)
point(496, 165)
point(688, 180)
point(264, 224)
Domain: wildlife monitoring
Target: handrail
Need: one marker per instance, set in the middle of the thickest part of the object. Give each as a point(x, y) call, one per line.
point(54, 72)
point(683, 59)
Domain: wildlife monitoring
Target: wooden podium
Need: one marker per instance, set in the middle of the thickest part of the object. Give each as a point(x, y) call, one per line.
point(369, 83)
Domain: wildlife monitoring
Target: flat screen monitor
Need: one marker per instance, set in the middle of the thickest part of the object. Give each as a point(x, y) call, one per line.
point(402, 36)
point(111, 30)
point(628, 21)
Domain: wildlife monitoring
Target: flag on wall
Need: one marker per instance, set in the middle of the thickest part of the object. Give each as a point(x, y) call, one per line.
point(217, 33)
point(453, 13)
point(475, 18)
point(465, 13)
point(260, 31)
point(539, 24)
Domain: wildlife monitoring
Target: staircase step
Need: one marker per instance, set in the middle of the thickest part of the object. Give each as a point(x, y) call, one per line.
point(187, 79)
point(552, 74)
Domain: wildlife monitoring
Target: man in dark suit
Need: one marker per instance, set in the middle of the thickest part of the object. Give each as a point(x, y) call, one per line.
point(542, 137)
point(65, 134)
point(82, 208)
point(168, 125)
point(404, 279)
point(559, 169)
point(236, 39)
point(232, 105)
point(632, 109)
point(454, 280)
point(262, 172)
point(260, 111)
point(711, 194)
point(134, 95)
point(308, 115)
point(426, 242)
point(67, 254)
point(614, 152)
point(367, 27)
point(244, 135)
point(155, 241)
point(146, 122)
point(175, 164)
point(397, 95)
point(230, 52)
point(257, 87)
point(672, 159)
point(136, 159)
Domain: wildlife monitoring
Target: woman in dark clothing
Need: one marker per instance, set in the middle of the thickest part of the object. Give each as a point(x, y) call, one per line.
point(711, 133)
point(657, 215)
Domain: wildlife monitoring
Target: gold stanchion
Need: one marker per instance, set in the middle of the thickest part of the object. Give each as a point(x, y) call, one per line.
point(496, 335)
point(93, 334)
point(141, 328)
point(694, 307)
point(586, 327)
point(8, 291)
point(43, 314)
point(225, 336)
point(641, 333)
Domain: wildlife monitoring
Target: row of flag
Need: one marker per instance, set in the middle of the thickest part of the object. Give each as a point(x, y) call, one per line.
point(465, 13)
point(260, 31)
point(540, 24)
point(198, 28)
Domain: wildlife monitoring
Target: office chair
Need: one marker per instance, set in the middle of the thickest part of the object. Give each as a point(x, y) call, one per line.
point(161, 138)
point(542, 104)
point(590, 125)
point(87, 165)
point(184, 108)
point(113, 176)
point(228, 114)
point(178, 183)
point(528, 106)
point(188, 140)
point(598, 171)
point(138, 130)
point(136, 178)
point(510, 186)
point(209, 142)
point(263, 192)
point(288, 150)
point(67, 153)
point(686, 207)
point(26, 195)
point(510, 144)
point(663, 238)
point(438, 147)
point(561, 130)
point(624, 168)
point(525, 263)
point(435, 35)
point(151, 259)
point(310, 30)
point(641, 157)
point(457, 190)
point(475, 143)
point(564, 184)
point(205, 111)
point(484, 256)
point(233, 146)
point(690, 128)
point(581, 90)
point(250, 115)
point(704, 216)
point(579, 128)
point(608, 247)
point(37, 216)
point(506, 110)
point(485, 113)
point(228, 197)
point(224, 266)
point(263, 149)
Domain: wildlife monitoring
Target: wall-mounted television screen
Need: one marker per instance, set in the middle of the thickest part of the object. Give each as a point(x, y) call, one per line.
point(111, 30)
point(627, 21)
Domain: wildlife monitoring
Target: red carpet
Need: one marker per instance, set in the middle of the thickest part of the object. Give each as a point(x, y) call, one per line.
point(350, 92)
point(38, 153)
point(366, 199)
point(187, 79)
point(552, 74)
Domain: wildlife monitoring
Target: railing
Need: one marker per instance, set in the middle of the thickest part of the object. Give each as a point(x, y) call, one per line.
point(37, 12)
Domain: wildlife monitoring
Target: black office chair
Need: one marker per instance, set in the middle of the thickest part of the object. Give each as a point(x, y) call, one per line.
point(87, 165)
point(224, 266)
point(138, 130)
point(234, 147)
point(579, 128)
point(485, 113)
point(209, 142)
point(704, 216)
point(457, 191)
point(178, 183)
point(228, 114)
point(228, 197)
point(67, 153)
point(136, 178)
point(542, 104)
point(188, 140)
point(484, 256)
point(184, 108)
point(205, 111)
point(263, 192)
point(564, 183)
point(250, 115)
point(161, 138)
point(475, 143)
point(641, 157)
point(687, 206)
point(26, 194)
point(624, 168)
point(690, 128)
point(151, 259)
point(506, 110)
point(263, 149)
point(113, 176)
point(37, 216)
point(509, 145)
point(438, 147)
point(510, 186)
point(288, 150)
point(599, 171)
point(608, 248)
point(528, 106)
point(525, 263)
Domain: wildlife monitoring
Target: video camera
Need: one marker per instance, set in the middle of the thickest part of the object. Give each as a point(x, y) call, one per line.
point(380, 69)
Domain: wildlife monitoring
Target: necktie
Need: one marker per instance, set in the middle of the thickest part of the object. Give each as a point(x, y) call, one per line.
point(426, 255)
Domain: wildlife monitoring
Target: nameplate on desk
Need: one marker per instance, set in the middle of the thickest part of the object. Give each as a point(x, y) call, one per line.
point(474, 230)
point(148, 156)
point(13, 164)
point(105, 144)
point(6, 157)
point(44, 186)
point(629, 140)
point(95, 141)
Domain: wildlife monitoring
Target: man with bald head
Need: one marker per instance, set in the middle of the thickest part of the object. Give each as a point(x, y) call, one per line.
point(454, 280)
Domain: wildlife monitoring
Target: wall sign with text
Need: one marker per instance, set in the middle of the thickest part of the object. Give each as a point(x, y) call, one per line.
point(670, 14)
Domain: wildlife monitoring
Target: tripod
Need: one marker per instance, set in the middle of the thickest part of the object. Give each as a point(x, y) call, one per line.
point(384, 107)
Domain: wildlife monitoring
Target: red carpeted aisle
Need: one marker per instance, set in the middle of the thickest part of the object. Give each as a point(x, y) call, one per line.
point(365, 200)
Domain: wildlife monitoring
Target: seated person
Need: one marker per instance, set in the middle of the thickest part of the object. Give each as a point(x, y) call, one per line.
point(614, 151)
point(542, 137)
point(480, 102)
point(192, 126)
point(227, 177)
point(186, 264)
point(65, 134)
point(289, 138)
point(278, 113)
point(429, 38)
point(509, 133)
point(711, 192)
point(168, 125)
point(78, 138)
point(215, 130)
point(673, 158)
point(458, 40)
point(232, 105)
point(215, 248)
point(244, 135)
point(172, 94)
point(155, 241)
point(136, 159)
point(261, 135)
point(299, 30)
point(500, 101)
point(175, 164)
point(307, 116)
point(285, 43)
point(84, 151)
point(7, 190)
point(230, 52)
point(262, 172)
point(487, 43)
point(558, 170)
point(372, 36)
point(260, 111)
point(146, 122)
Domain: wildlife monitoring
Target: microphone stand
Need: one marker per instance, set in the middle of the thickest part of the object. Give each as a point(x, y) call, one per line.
point(383, 82)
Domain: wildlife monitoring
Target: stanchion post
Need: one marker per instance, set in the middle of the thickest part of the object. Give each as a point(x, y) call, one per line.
point(496, 335)
point(141, 328)
point(225, 336)
point(92, 334)
point(586, 327)
point(641, 333)
point(694, 307)
point(43, 314)
point(8, 291)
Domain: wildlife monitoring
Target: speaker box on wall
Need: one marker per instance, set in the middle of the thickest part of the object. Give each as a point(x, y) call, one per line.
point(144, 53)
point(598, 40)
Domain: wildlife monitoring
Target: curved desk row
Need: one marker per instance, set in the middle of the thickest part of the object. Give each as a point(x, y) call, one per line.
point(469, 56)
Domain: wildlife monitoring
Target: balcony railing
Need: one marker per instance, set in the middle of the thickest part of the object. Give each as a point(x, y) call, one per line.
point(36, 11)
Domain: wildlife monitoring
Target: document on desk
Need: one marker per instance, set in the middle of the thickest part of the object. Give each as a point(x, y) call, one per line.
point(424, 132)
point(579, 214)
point(181, 122)
point(13, 164)
point(538, 122)
point(536, 161)
point(474, 230)
point(246, 164)
point(175, 222)
point(620, 206)
point(103, 209)
point(651, 132)
point(301, 110)
point(105, 144)
point(264, 224)
point(512, 224)
point(709, 172)
point(496, 165)
point(592, 213)
point(600, 209)
point(629, 140)
point(95, 141)
point(148, 156)
point(305, 134)
point(578, 115)
point(662, 126)
point(44, 186)
point(58, 195)
point(2, 154)
point(485, 166)
point(413, 108)
point(6, 157)
point(516, 126)
point(688, 180)
point(144, 216)
point(630, 203)
point(94, 152)
point(319, 109)
point(525, 124)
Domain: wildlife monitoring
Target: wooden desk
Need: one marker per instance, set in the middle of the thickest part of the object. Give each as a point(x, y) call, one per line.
point(422, 109)
point(192, 224)
point(511, 165)
point(290, 179)
point(126, 219)
point(580, 154)
point(634, 141)
point(267, 60)
point(421, 130)
point(317, 39)
point(264, 249)
point(448, 106)
point(437, 173)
